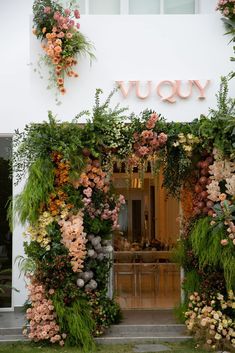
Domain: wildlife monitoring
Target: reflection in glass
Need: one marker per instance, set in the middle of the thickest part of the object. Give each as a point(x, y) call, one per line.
point(147, 7)
point(179, 6)
point(5, 233)
point(82, 7)
point(104, 7)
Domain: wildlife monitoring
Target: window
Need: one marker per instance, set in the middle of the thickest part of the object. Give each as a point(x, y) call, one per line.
point(5, 233)
point(104, 7)
point(179, 7)
point(138, 7)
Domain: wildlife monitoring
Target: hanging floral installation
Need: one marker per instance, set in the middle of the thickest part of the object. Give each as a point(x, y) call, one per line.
point(62, 42)
point(227, 9)
point(72, 210)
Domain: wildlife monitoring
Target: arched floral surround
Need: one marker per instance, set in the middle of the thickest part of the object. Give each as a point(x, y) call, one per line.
point(71, 210)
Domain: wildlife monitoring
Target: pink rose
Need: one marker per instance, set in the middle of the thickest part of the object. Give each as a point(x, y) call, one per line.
point(162, 138)
point(47, 9)
point(78, 25)
point(67, 12)
point(224, 242)
point(87, 192)
point(143, 150)
point(56, 15)
point(76, 14)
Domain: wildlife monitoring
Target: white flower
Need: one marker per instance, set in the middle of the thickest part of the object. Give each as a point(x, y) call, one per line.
point(218, 336)
point(216, 316)
point(213, 190)
point(230, 185)
point(221, 169)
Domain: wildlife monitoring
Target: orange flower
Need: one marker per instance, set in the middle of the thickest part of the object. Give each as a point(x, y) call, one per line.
point(69, 35)
point(58, 42)
point(48, 36)
point(55, 61)
point(75, 74)
point(60, 81)
point(58, 49)
point(62, 90)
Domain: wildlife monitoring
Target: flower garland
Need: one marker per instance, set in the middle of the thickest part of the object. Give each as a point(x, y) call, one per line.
point(61, 39)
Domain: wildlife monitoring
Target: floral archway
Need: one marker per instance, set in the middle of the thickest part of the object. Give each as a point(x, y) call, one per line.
point(71, 209)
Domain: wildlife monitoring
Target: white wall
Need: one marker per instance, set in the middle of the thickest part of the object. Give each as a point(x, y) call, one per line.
point(144, 48)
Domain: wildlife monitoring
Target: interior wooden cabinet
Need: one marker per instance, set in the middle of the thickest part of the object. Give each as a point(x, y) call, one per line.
point(144, 275)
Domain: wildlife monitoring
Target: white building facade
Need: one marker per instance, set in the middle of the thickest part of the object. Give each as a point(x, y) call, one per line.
point(167, 55)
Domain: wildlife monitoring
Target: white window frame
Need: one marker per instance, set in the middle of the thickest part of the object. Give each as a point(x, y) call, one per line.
point(124, 7)
point(196, 7)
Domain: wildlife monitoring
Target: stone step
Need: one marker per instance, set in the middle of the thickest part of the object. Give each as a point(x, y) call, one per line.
point(140, 339)
point(10, 331)
point(12, 338)
point(146, 330)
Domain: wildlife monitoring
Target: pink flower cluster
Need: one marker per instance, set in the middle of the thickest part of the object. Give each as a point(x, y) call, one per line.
point(65, 22)
point(94, 178)
point(147, 142)
point(74, 239)
point(113, 214)
point(41, 316)
point(227, 8)
point(104, 211)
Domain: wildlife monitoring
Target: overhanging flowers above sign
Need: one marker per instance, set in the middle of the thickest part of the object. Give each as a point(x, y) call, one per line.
point(58, 29)
point(168, 90)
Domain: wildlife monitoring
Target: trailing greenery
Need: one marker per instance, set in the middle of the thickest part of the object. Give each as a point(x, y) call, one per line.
point(40, 184)
point(191, 283)
point(76, 320)
point(37, 141)
point(206, 243)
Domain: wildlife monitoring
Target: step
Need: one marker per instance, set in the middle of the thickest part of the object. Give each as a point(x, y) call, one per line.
point(146, 330)
point(12, 338)
point(153, 339)
point(11, 331)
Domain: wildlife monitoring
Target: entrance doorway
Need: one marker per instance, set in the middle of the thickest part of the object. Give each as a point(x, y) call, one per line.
point(144, 275)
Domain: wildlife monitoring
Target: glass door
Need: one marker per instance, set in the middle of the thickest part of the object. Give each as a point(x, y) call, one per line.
point(144, 275)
